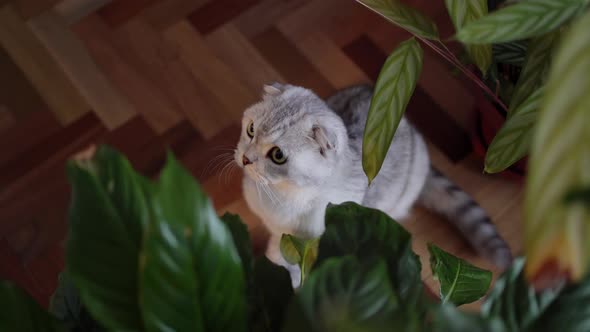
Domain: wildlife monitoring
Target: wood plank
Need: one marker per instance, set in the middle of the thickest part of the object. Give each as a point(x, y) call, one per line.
point(40, 67)
point(292, 65)
point(118, 12)
point(31, 8)
point(331, 61)
point(216, 13)
point(74, 10)
point(308, 18)
point(232, 47)
point(219, 80)
point(145, 96)
point(18, 94)
point(366, 55)
point(164, 13)
point(110, 106)
point(7, 119)
point(161, 63)
point(264, 14)
point(11, 269)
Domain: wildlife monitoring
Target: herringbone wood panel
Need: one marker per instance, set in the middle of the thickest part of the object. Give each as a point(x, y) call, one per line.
point(150, 75)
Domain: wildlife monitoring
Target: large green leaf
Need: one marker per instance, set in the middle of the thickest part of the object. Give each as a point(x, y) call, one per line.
point(513, 140)
point(460, 282)
point(346, 295)
point(512, 53)
point(393, 90)
point(105, 217)
point(19, 312)
point(367, 233)
point(535, 69)
point(514, 301)
point(191, 274)
point(570, 312)
point(403, 16)
point(464, 12)
point(522, 20)
point(556, 233)
point(448, 318)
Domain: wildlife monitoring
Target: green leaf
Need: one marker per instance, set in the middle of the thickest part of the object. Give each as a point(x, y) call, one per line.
point(368, 233)
point(578, 195)
point(460, 282)
point(191, 274)
point(449, 318)
point(535, 69)
point(291, 249)
point(346, 295)
point(299, 251)
point(403, 16)
point(271, 293)
point(105, 218)
point(241, 239)
point(513, 140)
point(393, 90)
point(21, 313)
point(464, 12)
point(514, 301)
point(65, 304)
point(522, 20)
point(556, 234)
point(511, 53)
point(570, 312)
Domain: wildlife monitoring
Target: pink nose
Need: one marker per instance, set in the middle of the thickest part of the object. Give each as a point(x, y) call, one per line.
point(245, 160)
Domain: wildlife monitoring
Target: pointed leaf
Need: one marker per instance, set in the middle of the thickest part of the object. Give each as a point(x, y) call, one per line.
point(289, 249)
point(346, 295)
point(393, 90)
point(460, 282)
point(556, 234)
point(522, 20)
point(106, 214)
point(191, 274)
point(511, 53)
point(514, 301)
point(21, 313)
point(464, 12)
point(535, 69)
point(513, 140)
point(403, 16)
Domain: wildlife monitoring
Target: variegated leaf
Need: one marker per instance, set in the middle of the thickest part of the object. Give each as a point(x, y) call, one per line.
point(393, 90)
point(535, 69)
point(556, 232)
point(403, 16)
point(511, 53)
point(514, 138)
point(463, 12)
point(522, 20)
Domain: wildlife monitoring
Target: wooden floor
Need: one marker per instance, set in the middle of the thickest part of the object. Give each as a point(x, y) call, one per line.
point(147, 75)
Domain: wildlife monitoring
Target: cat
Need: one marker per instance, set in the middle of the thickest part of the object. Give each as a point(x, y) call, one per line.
point(299, 153)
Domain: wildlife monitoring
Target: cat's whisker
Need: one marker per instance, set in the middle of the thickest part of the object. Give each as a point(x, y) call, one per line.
point(225, 170)
point(214, 161)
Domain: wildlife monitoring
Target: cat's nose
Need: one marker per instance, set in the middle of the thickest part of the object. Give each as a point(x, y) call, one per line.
point(245, 160)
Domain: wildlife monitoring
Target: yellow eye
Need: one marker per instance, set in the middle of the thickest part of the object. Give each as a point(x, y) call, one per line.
point(250, 129)
point(277, 156)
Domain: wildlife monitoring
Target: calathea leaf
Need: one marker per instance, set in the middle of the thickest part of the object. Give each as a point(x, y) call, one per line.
point(513, 140)
point(21, 313)
point(106, 214)
point(448, 318)
point(367, 233)
point(460, 282)
point(514, 301)
point(512, 53)
point(393, 90)
point(522, 20)
point(464, 12)
point(344, 294)
point(535, 69)
point(191, 274)
point(556, 234)
point(403, 16)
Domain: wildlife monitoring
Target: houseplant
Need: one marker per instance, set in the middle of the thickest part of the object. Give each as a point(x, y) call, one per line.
point(154, 256)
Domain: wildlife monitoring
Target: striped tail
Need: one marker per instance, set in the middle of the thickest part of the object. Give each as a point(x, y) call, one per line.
point(442, 196)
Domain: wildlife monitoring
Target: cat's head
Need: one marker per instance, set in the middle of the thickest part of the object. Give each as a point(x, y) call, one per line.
point(291, 136)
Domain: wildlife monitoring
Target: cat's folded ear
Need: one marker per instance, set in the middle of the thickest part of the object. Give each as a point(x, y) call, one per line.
point(325, 139)
point(273, 89)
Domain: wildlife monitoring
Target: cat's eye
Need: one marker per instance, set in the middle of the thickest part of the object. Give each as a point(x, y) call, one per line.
point(250, 129)
point(277, 156)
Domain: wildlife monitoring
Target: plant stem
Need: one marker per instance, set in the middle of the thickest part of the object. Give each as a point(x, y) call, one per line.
point(450, 57)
